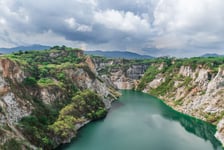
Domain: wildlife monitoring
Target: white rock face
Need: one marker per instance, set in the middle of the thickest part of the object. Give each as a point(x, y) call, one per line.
point(202, 79)
point(47, 96)
point(186, 71)
point(84, 81)
point(220, 133)
point(157, 81)
point(203, 95)
point(11, 70)
point(217, 82)
point(13, 110)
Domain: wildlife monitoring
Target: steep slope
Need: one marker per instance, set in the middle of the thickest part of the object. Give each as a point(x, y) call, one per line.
point(44, 100)
point(192, 86)
point(123, 73)
point(44, 96)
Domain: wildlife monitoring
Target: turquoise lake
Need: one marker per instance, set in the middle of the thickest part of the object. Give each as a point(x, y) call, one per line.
point(138, 121)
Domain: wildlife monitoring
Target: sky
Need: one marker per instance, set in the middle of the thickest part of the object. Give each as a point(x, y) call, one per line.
point(181, 28)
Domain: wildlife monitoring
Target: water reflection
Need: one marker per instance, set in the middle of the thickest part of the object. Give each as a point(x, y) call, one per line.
point(192, 125)
point(139, 121)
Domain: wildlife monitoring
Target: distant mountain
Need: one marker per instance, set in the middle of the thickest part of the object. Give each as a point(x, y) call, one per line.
point(23, 48)
point(212, 55)
point(118, 54)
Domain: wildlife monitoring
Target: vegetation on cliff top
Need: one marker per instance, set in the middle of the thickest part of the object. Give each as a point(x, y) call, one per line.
point(49, 69)
point(175, 79)
point(170, 66)
point(85, 104)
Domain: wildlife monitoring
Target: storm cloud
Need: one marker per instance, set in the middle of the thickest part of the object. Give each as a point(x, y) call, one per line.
point(154, 27)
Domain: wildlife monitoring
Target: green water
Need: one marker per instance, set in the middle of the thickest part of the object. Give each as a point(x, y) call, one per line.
point(141, 122)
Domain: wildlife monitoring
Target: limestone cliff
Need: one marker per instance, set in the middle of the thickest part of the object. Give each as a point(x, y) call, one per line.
point(44, 96)
point(41, 90)
point(195, 89)
point(191, 86)
point(124, 74)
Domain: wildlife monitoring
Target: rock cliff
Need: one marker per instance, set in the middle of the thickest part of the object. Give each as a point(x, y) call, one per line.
point(194, 88)
point(55, 92)
point(43, 95)
point(124, 74)
point(191, 86)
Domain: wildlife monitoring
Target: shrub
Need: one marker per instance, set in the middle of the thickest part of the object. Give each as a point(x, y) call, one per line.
point(30, 81)
point(46, 82)
point(64, 127)
point(61, 76)
point(12, 144)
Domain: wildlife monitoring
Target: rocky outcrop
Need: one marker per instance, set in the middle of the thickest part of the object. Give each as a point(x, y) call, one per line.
point(124, 74)
point(12, 108)
point(197, 92)
point(159, 79)
point(84, 80)
point(220, 133)
point(51, 94)
point(18, 99)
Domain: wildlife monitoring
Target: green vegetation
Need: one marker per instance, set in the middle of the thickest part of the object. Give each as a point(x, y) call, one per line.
point(11, 144)
point(30, 81)
point(178, 102)
point(164, 88)
point(172, 65)
point(64, 127)
point(47, 121)
point(85, 104)
point(45, 82)
point(213, 118)
point(49, 69)
point(150, 74)
point(35, 126)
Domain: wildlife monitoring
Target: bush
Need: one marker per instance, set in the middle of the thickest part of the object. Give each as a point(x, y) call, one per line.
point(35, 126)
point(64, 127)
point(30, 81)
point(61, 76)
point(12, 144)
point(100, 113)
point(46, 82)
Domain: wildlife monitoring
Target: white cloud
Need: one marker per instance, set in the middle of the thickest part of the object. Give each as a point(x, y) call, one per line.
point(71, 22)
point(123, 21)
point(182, 14)
point(169, 41)
point(189, 20)
point(2, 21)
point(171, 25)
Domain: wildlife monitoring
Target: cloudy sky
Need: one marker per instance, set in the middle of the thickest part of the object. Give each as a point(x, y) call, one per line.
point(153, 27)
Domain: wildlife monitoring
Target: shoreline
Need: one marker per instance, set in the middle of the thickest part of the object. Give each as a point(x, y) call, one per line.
point(216, 135)
point(81, 125)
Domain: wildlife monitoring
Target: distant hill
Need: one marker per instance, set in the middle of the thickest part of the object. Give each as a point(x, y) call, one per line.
point(23, 48)
point(118, 54)
point(212, 55)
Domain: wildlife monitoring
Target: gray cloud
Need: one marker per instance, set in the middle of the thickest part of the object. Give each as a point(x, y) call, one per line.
point(157, 27)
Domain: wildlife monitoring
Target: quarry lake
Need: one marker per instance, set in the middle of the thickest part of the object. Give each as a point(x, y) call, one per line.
point(138, 121)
